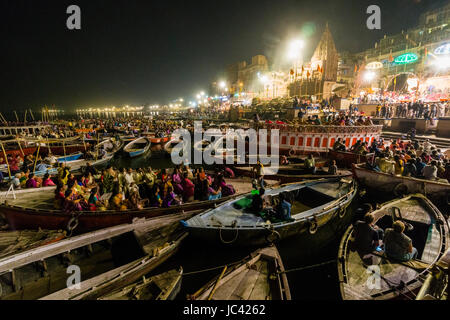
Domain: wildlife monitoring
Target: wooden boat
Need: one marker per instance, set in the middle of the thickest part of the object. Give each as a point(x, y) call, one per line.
point(108, 260)
point(400, 185)
point(259, 277)
point(347, 159)
point(168, 147)
point(165, 286)
point(314, 205)
point(429, 231)
point(436, 283)
point(35, 211)
point(137, 147)
point(12, 242)
point(289, 173)
point(22, 192)
point(69, 158)
point(155, 140)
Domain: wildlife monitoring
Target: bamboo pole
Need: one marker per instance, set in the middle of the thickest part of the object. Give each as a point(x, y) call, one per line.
point(17, 117)
point(20, 147)
point(217, 283)
point(3, 119)
point(37, 156)
point(31, 114)
point(25, 116)
point(6, 160)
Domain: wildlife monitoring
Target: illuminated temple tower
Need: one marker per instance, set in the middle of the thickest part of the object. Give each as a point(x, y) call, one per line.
point(320, 74)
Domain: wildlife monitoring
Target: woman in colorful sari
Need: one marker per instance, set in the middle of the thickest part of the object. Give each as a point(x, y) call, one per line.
point(176, 181)
point(227, 189)
point(60, 196)
point(170, 199)
point(74, 201)
point(188, 189)
point(155, 199)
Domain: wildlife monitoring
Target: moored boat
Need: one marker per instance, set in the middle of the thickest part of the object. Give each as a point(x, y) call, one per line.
point(400, 185)
point(374, 276)
point(347, 159)
point(35, 210)
point(314, 205)
point(261, 276)
point(137, 147)
point(165, 286)
point(108, 259)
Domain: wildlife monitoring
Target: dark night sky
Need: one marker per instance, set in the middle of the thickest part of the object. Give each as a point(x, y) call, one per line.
point(135, 52)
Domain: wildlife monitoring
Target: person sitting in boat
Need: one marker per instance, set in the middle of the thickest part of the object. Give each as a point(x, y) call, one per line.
point(170, 199)
point(283, 209)
point(332, 169)
point(430, 171)
point(188, 189)
point(227, 189)
point(258, 202)
point(94, 201)
point(47, 181)
point(16, 180)
point(87, 180)
point(90, 169)
point(134, 201)
point(398, 165)
point(258, 172)
point(284, 160)
point(155, 198)
point(117, 199)
point(208, 192)
point(420, 165)
point(367, 235)
point(176, 181)
point(310, 164)
point(397, 245)
point(386, 165)
point(73, 200)
point(40, 166)
point(60, 196)
point(31, 182)
point(63, 173)
point(410, 168)
point(339, 146)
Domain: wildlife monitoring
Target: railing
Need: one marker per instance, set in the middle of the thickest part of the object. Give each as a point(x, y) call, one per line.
point(326, 129)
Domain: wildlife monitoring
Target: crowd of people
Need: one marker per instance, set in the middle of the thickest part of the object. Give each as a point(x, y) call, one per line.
point(410, 159)
point(113, 189)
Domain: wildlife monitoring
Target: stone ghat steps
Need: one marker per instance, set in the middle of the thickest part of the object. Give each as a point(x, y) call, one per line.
point(438, 142)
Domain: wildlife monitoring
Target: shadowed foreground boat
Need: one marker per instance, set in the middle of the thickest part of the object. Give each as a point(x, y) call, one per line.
point(259, 277)
point(165, 286)
point(314, 205)
point(108, 260)
point(429, 231)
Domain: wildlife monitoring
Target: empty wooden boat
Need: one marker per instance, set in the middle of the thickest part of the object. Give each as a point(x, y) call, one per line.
point(429, 231)
point(259, 277)
point(436, 285)
point(70, 157)
point(290, 173)
point(137, 147)
point(314, 205)
point(347, 159)
point(165, 286)
point(400, 185)
point(12, 242)
point(107, 259)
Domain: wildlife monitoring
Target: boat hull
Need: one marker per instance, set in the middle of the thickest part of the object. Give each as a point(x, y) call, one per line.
point(389, 183)
point(32, 219)
point(347, 159)
point(327, 224)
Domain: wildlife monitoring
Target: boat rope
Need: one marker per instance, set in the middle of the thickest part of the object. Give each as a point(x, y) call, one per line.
point(213, 268)
point(228, 242)
point(309, 267)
